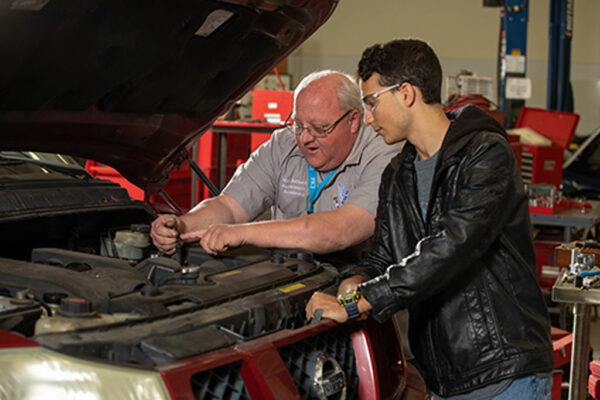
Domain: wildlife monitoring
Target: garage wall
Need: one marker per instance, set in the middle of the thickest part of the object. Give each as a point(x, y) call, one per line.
point(465, 36)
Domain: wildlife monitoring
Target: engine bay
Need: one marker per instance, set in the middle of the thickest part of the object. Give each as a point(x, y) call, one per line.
point(89, 285)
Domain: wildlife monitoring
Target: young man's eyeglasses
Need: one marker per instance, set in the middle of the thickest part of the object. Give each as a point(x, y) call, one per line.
point(315, 131)
point(370, 101)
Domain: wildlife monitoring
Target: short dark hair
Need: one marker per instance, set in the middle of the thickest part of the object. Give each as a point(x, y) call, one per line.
point(404, 60)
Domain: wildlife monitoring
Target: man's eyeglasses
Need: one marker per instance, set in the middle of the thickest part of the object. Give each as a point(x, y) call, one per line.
point(315, 131)
point(370, 101)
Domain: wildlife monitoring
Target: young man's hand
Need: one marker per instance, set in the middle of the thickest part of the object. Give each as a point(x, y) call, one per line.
point(330, 306)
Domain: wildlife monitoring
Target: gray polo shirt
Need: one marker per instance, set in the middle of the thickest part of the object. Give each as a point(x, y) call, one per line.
point(276, 176)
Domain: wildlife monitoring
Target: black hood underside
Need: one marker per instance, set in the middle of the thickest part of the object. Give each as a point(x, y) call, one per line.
point(131, 83)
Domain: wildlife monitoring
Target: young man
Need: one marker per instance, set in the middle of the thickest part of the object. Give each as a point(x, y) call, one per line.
point(328, 146)
point(453, 240)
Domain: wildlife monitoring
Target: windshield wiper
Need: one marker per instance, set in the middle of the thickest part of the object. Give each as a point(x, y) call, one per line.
point(71, 171)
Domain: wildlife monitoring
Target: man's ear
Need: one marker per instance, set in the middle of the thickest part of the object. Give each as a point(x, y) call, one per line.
point(408, 94)
point(355, 121)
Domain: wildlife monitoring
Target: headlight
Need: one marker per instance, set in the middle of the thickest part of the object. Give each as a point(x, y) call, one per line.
point(38, 373)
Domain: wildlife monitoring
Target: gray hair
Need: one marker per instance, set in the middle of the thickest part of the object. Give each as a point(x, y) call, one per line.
point(347, 90)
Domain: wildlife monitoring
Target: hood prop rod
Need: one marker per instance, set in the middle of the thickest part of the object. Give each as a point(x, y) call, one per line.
point(176, 209)
point(211, 187)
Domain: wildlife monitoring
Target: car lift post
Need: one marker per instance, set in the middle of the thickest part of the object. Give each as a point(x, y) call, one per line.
point(559, 94)
point(512, 54)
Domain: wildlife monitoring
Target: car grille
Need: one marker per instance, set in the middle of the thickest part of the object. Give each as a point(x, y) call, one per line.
point(219, 383)
point(336, 343)
point(226, 383)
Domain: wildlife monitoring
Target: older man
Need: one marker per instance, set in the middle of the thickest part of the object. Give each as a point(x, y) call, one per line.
point(319, 176)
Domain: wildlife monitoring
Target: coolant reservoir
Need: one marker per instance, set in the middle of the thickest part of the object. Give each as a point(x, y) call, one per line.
point(74, 313)
point(130, 244)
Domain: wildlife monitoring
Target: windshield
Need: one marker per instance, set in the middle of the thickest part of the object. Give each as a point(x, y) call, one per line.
point(37, 165)
point(46, 158)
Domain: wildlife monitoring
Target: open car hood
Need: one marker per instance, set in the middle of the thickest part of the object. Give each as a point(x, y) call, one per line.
point(131, 83)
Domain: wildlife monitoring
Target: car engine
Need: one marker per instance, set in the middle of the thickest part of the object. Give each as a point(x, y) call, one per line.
point(86, 281)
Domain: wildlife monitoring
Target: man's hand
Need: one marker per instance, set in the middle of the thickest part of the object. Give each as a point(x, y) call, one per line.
point(350, 284)
point(330, 306)
point(217, 238)
point(164, 233)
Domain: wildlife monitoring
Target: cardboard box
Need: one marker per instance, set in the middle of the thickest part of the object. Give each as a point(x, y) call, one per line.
point(562, 253)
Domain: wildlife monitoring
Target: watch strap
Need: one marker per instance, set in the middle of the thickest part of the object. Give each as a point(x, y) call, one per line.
point(352, 310)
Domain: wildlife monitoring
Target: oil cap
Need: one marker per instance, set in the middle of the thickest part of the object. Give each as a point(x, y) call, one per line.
point(76, 307)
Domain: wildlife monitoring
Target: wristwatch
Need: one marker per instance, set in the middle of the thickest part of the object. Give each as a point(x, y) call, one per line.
point(349, 301)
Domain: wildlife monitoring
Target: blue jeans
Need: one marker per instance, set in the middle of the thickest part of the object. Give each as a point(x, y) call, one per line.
point(532, 387)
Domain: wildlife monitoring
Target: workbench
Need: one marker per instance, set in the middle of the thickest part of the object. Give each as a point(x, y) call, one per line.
point(222, 128)
point(582, 299)
point(225, 127)
point(570, 218)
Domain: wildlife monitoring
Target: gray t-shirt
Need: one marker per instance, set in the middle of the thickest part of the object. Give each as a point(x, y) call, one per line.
point(276, 176)
point(425, 170)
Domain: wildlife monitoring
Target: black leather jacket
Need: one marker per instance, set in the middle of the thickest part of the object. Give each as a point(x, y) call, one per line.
point(466, 272)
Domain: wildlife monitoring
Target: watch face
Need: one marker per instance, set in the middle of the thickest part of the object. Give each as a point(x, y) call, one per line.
point(348, 297)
